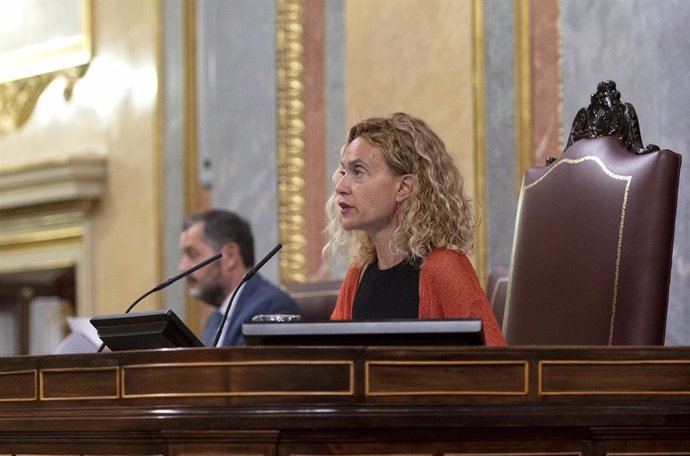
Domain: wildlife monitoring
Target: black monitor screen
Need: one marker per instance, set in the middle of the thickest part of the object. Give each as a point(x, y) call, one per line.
point(388, 332)
point(144, 330)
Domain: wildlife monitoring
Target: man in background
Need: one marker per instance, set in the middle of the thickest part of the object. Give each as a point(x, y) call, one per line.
point(215, 230)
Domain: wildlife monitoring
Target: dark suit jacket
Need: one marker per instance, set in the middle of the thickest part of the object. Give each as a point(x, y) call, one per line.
point(259, 296)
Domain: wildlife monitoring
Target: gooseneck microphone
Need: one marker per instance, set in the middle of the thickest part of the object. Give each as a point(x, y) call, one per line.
point(169, 282)
point(246, 277)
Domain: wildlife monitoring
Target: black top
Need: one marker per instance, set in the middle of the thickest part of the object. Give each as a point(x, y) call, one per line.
point(389, 294)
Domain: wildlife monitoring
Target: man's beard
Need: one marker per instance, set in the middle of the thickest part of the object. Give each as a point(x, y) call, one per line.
point(213, 295)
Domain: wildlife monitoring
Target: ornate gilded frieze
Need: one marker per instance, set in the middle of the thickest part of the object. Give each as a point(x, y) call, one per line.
point(291, 145)
point(18, 98)
point(48, 41)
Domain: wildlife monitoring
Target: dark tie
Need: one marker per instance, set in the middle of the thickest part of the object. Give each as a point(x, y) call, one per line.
point(210, 328)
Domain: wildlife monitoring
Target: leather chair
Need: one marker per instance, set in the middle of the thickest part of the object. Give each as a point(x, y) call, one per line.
point(315, 300)
point(496, 290)
point(591, 260)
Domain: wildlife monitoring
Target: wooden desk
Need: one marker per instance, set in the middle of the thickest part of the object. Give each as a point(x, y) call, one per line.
point(349, 401)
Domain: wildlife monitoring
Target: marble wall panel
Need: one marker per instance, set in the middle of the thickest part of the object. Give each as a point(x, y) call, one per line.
point(173, 148)
point(500, 130)
point(336, 128)
point(237, 114)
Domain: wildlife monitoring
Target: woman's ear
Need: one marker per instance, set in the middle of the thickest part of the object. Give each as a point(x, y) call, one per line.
point(404, 187)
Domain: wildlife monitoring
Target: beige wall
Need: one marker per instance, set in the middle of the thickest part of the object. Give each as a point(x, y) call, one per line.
point(113, 113)
point(414, 56)
point(401, 55)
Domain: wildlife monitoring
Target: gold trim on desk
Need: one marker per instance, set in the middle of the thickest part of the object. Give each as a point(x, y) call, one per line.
point(22, 372)
point(523, 391)
point(582, 392)
point(517, 453)
point(387, 453)
point(79, 377)
point(648, 453)
point(349, 391)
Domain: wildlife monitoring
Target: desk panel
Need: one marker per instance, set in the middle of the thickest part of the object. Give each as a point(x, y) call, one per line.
point(285, 401)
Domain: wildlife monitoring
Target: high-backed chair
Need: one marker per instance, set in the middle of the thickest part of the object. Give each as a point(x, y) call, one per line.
point(315, 300)
point(591, 260)
point(496, 289)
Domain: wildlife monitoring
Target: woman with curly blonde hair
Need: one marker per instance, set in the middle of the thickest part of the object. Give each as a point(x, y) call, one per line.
point(399, 206)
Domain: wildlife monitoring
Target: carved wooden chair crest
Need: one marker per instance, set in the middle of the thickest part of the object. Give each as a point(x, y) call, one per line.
point(591, 259)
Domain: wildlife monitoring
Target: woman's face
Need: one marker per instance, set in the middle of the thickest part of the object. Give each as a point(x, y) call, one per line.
point(368, 192)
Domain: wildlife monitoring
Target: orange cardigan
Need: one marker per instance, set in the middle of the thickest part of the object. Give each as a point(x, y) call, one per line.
point(448, 288)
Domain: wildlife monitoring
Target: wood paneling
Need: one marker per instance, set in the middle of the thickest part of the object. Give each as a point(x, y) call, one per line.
point(349, 401)
point(18, 385)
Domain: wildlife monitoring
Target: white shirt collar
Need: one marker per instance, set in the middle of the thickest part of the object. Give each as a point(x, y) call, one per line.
point(224, 306)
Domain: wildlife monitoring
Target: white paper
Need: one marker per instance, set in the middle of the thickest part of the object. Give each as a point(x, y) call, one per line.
point(83, 338)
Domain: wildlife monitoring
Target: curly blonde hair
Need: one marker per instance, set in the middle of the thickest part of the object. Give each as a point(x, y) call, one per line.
point(437, 213)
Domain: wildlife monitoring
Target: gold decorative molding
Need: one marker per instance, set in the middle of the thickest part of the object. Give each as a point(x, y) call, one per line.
point(41, 56)
point(292, 221)
point(523, 91)
point(54, 237)
point(48, 201)
point(52, 182)
point(192, 197)
point(479, 78)
point(18, 98)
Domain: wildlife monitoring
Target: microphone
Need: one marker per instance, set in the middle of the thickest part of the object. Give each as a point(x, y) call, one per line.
point(246, 277)
point(169, 282)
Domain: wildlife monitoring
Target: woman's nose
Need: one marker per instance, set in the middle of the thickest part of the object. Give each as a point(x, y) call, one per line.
point(341, 185)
